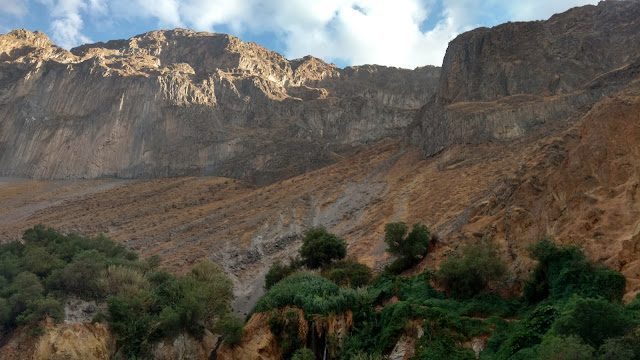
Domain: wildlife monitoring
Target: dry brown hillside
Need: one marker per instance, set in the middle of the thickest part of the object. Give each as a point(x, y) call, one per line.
point(576, 184)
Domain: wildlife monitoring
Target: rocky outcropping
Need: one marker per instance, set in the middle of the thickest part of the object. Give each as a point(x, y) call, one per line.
point(185, 103)
point(500, 83)
point(260, 343)
point(61, 342)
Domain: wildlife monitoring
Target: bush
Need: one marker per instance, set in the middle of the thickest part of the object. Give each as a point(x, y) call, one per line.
point(468, 275)
point(620, 348)
point(98, 318)
point(303, 354)
point(319, 247)
point(278, 271)
point(564, 348)
point(144, 304)
point(232, 331)
point(348, 272)
point(40, 309)
point(594, 320)
point(409, 248)
point(311, 293)
point(562, 272)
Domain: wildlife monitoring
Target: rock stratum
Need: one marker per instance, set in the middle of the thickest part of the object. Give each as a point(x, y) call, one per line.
point(531, 131)
point(179, 102)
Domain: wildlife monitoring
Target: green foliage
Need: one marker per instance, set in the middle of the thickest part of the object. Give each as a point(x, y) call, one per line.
point(98, 318)
point(563, 271)
point(348, 272)
point(313, 294)
point(319, 247)
point(144, 304)
point(626, 347)
point(512, 338)
point(285, 326)
point(303, 354)
point(37, 330)
point(232, 329)
point(564, 348)
point(409, 248)
point(594, 320)
point(41, 308)
point(142, 313)
point(468, 275)
point(279, 271)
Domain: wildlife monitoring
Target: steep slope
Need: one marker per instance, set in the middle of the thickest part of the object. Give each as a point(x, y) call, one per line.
point(178, 102)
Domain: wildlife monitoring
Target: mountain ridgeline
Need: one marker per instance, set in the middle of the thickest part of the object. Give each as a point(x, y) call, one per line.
point(178, 102)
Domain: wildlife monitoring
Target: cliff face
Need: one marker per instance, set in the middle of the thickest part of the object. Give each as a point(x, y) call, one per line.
point(61, 342)
point(546, 64)
point(185, 103)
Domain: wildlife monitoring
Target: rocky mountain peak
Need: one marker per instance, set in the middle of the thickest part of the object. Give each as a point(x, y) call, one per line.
point(550, 57)
point(502, 83)
point(25, 46)
point(178, 102)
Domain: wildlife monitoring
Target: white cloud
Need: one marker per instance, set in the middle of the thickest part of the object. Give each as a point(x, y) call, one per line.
point(13, 7)
point(67, 21)
point(354, 31)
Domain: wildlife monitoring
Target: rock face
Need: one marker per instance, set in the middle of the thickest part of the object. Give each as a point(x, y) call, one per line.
point(61, 342)
point(500, 83)
point(184, 103)
point(260, 343)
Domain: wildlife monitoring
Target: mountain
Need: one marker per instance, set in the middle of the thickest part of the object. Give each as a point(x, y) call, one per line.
point(500, 84)
point(171, 103)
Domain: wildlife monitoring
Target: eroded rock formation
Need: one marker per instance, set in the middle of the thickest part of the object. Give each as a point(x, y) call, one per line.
point(179, 102)
point(498, 84)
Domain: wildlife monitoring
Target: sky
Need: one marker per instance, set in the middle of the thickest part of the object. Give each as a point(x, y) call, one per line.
point(401, 33)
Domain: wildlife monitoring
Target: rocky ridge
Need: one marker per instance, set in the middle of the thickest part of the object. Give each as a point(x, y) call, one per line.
point(499, 84)
point(178, 102)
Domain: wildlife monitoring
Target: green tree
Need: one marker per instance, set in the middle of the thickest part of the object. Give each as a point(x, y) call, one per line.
point(594, 320)
point(25, 289)
point(469, 274)
point(411, 246)
point(348, 272)
point(565, 348)
point(319, 247)
point(620, 348)
point(279, 271)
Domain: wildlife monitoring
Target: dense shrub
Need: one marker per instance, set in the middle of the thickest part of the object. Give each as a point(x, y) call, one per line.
point(563, 271)
point(624, 347)
point(232, 330)
point(303, 354)
point(144, 304)
point(469, 274)
point(37, 275)
point(564, 348)
point(319, 247)
point(348, 272)
point(313, 294)
point(410, 248)
point(594, 320)
point(279, 271)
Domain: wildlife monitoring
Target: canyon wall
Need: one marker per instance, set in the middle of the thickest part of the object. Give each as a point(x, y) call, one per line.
point(498, 84)
point(178, 102)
